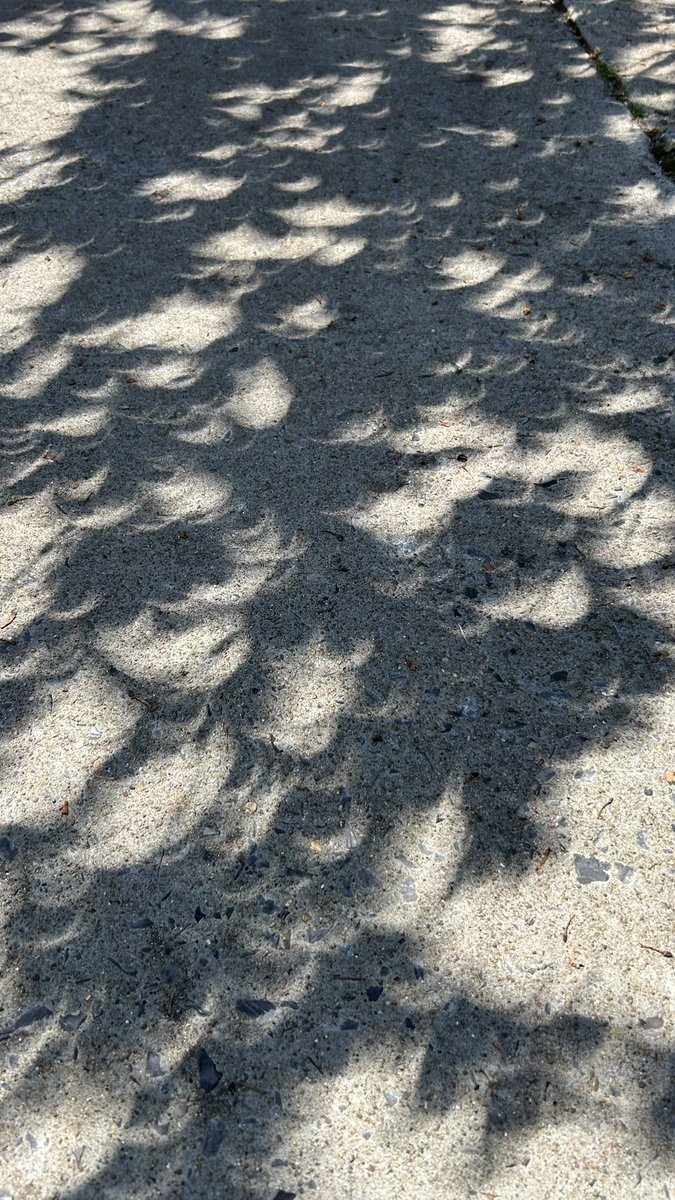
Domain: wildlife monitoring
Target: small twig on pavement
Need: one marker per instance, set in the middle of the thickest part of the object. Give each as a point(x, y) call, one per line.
point(655, 949)
point(544, 859)
point(149, 704)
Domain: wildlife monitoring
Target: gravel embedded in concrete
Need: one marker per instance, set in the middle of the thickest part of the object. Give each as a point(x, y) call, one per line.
point(337, 607)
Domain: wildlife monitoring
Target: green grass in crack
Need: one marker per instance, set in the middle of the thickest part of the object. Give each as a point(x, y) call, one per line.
point(664, 153)
point(611, 77)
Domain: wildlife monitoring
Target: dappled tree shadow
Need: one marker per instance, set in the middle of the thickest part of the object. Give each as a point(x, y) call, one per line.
point(325, 598)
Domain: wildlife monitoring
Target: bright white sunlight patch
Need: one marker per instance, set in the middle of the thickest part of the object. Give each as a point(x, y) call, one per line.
point(313, 687)
point(469, 268)
point(188, 185)
point(181, 655)
point(82, 422)
point(247, 243)
point(362, 89)
point(310, 317)
point(187, 494)
point(36, 281)
point(415, 510)
point(262, 396)
point(312, 214)
point(179, 322)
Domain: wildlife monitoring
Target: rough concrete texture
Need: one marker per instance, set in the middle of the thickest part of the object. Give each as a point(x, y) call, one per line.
point(337, 607)
point(637, 37)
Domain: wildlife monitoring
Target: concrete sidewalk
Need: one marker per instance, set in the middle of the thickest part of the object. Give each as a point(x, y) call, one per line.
point(637, 37)
point(337, 561)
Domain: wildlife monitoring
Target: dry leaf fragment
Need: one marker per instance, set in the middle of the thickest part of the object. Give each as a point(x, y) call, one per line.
point(64, 809)
point(628, 275)
point(661, 306)
point(411, 664)
point(669, 777)
point(527, 312)
point(48, 456)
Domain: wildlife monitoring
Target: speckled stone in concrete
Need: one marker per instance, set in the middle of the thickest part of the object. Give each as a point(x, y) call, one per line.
point(336, 694)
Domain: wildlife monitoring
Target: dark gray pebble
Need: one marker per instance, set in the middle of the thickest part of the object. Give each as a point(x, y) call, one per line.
point(8, 850)
point(153, 1065)
point(409, 892)
point(37, 1013)
point(213, 1139)
point(349, 1023)
point(254, 1008)
point(369, 879)
point(405, 861)
point(373, 993)
point(590, 870)
point(282, 1195)
point(142, 923)
point(209, 1075)
point(624, 872)
point(72, 1021)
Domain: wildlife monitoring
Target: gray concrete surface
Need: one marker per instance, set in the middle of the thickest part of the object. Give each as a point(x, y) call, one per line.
point(337, 607)
point(638, 38)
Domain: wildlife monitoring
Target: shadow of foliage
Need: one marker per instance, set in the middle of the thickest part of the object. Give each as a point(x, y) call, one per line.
point(323, 591)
